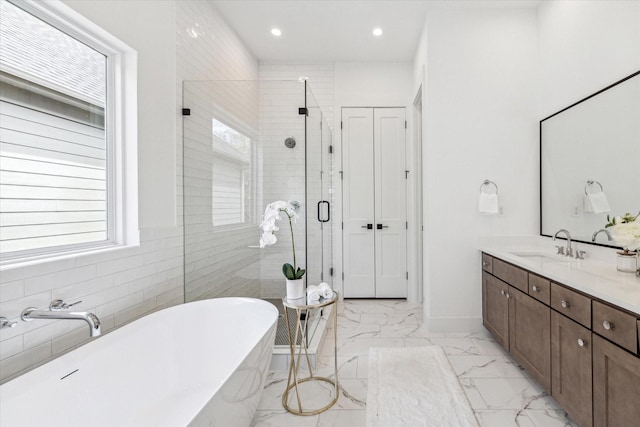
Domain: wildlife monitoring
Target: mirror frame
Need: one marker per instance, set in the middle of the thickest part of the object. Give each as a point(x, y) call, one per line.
point(540, 155)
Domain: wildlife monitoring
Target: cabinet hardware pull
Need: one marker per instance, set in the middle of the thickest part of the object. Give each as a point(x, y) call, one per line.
point(485, 263)
point(535, 288)
point(581, 342)
point(607, 325)
point(502, 291)
point(508, 295)
point(564, 304)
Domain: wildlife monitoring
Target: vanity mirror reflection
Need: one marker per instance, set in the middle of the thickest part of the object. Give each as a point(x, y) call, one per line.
point(590, 162)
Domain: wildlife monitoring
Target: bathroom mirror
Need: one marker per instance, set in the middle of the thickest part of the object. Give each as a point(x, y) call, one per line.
point(590, 162)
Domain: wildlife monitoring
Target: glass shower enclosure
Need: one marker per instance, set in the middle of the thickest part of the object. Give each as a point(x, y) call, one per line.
point(247, 144)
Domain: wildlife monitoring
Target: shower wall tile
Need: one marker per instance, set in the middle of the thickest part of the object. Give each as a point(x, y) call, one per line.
point(217, 262)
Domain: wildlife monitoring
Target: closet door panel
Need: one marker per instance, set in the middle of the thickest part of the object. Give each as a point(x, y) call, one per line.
point(358, 203)
point(390, 202)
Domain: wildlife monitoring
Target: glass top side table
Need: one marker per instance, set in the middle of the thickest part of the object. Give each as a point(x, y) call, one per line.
point(297, 352)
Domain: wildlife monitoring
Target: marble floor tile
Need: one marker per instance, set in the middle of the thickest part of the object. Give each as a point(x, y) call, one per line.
point(513, 393)
point(360, 347)
point(496, 366)
point(456, 346)
point(550, 418)
point(499, 391)
point(503, 418)
point(472, 393)
point(281, 418)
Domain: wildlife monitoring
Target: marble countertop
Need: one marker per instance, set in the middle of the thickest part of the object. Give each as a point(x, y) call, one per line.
point(590, 276)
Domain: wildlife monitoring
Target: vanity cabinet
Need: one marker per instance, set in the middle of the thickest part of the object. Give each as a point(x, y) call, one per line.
point(529, 336)
point(519, 323)
point(495, 308)
point(616, 385)
point(582, 350)
point(571, 362)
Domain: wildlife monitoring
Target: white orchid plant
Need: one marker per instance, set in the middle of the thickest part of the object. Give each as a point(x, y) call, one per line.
point(625, 230)
point(268, 225)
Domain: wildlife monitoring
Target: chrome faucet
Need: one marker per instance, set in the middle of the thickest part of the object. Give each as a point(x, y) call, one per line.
point(569, 251)
point(57, 310)
point(602, 230)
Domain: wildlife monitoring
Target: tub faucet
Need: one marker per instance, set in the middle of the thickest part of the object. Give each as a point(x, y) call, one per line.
point(57, 310)
point(569, 251)
point(602, 230)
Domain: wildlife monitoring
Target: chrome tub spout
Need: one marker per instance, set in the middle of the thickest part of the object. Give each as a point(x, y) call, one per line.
point(92, 320)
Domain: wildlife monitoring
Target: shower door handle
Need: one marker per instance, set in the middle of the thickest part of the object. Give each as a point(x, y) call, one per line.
point(320, 218)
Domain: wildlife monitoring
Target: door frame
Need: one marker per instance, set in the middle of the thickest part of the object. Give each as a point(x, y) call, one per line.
point(413, 252)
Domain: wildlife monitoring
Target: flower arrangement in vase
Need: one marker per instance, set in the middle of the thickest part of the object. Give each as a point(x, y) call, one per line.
point(293, 273)
point(625, 230)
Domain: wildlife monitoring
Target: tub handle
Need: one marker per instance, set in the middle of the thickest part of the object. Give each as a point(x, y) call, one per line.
point(58, 305)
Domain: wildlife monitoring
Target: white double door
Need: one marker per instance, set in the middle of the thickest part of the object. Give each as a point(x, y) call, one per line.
point(374, 204)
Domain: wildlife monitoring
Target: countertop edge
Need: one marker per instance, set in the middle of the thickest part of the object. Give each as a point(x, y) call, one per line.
point(618, 290)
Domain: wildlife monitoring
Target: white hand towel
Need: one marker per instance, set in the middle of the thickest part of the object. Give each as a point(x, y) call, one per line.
point(325, 290)
point(313, 293)
point(599, 202)
point(488, 203)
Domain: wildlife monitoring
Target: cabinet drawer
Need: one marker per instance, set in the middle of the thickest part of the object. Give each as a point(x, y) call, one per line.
point(615, 325)
point(513, 275)
point(540, 288)
point(487, 263)
point(571, 304)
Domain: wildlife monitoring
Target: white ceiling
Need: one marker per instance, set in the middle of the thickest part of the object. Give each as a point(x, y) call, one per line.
point(337, 30)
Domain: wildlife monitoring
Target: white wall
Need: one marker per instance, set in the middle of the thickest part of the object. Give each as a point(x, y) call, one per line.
point(149, 28)
point(367, 84)
point(585, 46)
point(490, 77)
point(372, 84)
point(479, 122)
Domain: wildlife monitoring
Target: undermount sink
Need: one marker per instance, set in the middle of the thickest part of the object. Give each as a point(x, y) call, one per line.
point(540, 257)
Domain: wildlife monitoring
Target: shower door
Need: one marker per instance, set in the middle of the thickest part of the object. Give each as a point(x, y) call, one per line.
point(319, 194)
point(239, 155)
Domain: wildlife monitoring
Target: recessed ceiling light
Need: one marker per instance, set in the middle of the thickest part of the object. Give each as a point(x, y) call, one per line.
point(377, 32)
point(276, 32)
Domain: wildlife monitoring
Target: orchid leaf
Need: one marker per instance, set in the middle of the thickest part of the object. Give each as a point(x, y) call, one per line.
point(289, 273)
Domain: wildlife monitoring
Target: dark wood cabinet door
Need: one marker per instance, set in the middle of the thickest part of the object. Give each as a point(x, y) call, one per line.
point(530, 336)
point(616, 385)
point(571, 382)
point(495, 308)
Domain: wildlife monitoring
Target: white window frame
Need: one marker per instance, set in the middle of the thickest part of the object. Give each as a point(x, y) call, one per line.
point(120, 129)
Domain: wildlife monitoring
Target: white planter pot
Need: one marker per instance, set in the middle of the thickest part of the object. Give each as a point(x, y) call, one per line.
point(295, 289)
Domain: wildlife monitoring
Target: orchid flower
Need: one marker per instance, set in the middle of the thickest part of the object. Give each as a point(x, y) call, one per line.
point(268, 226)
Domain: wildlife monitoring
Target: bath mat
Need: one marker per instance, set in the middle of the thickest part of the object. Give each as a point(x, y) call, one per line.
point(415, 386)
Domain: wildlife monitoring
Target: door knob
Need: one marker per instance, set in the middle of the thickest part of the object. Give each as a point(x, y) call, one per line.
point(368, 226)
point(380, 226)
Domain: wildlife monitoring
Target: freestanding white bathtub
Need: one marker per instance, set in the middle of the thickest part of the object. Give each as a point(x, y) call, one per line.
point(201, 363)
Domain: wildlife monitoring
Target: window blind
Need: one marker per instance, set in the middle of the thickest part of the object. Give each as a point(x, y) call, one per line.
point(52, 180)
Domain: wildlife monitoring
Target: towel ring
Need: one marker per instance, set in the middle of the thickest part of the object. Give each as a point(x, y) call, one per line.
point(488, 182)
point(591, 182)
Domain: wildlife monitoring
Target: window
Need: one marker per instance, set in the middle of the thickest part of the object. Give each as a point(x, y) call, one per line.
point(59, 109)
point(231, 180)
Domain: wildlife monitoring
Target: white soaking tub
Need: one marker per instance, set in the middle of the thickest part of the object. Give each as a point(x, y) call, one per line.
point(201, 363)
